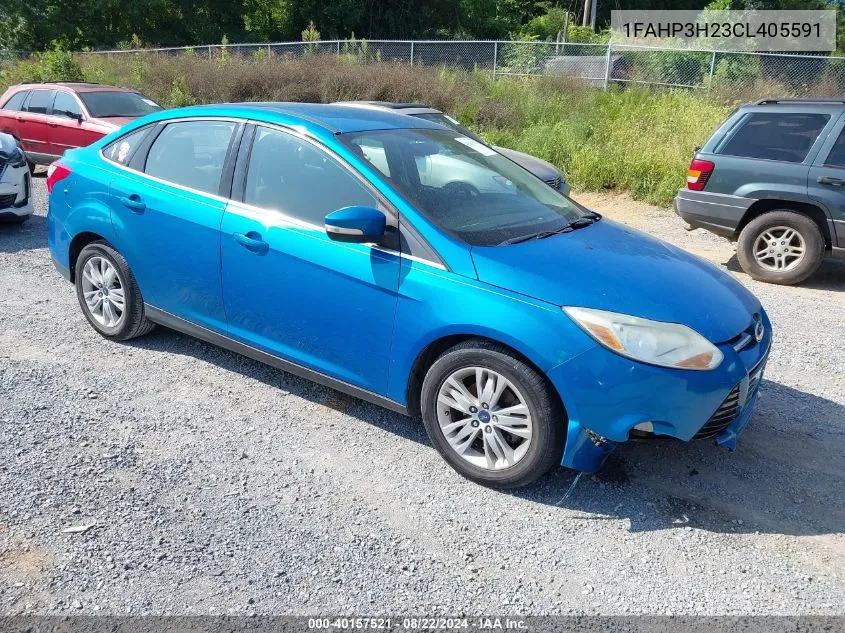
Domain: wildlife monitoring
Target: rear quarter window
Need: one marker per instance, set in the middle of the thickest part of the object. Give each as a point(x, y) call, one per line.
point(775, 136)
point(15, 102)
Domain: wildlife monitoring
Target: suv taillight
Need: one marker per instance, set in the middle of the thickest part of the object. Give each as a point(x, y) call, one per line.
point(56, 172)
point(699, 173)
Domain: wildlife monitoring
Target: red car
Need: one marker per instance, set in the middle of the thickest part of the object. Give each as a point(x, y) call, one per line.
point(49, 118)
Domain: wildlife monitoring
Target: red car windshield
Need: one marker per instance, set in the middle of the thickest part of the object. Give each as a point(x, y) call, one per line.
point(103, 103)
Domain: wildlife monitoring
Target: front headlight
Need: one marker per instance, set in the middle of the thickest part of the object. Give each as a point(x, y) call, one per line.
point(654, 342)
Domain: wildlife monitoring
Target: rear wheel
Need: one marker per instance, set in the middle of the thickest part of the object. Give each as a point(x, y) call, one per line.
point(781, 247)
point(108, 294)
point(491, 416)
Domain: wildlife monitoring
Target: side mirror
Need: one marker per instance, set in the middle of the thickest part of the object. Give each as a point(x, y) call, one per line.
point(356, 224)
point(77, 116)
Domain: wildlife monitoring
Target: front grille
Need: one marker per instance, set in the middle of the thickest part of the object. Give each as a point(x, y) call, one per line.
point(723, 417)
point(754, 379)
point(8, 200)
point(554, 183)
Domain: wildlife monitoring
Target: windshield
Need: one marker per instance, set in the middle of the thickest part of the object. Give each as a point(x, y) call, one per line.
point(466, 188)
point(447, 121)
point(103, 103)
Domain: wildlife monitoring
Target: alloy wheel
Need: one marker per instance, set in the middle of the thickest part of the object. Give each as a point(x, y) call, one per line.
point(484, 418)
point(780, 248)
point(103, 291)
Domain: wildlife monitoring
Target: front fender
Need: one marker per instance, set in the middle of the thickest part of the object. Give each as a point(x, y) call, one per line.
point(434, 304)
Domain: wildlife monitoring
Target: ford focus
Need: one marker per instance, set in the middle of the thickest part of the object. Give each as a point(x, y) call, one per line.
point(524, 329)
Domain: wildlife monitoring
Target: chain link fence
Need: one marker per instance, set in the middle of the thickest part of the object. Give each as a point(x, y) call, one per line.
point(600, 65)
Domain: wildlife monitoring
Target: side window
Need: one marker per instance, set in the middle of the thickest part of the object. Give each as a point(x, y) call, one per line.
point(40, 101)
point(16, 102)
point(776, 136)
point(300, 180)
point(191, 154)
point(121, 150)
point(836, 158)
point(66, 105)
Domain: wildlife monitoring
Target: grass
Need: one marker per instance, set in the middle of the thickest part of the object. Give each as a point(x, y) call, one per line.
point(634, 140)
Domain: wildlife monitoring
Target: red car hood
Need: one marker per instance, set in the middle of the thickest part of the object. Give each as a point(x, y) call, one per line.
point(112, 122)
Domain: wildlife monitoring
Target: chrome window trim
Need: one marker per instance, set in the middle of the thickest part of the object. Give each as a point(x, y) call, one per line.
point(380, 198)
point(213, 196)
point(294, 132)
point(321, 231)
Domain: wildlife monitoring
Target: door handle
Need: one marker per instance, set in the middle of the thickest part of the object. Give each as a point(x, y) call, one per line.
point(252, 241)
point(20, 118)
point(134, 203)
point(827, 180)
point(54, 125)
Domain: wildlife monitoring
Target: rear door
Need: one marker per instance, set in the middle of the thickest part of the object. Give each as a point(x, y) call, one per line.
point(826, 182)
point(34, 125)
point(168, 208)
point(10, 114)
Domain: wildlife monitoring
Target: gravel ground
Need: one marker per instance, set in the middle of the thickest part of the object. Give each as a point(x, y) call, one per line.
point(214, 484)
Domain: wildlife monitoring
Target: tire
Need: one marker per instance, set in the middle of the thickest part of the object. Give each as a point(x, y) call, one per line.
point(763, 267)
point(131, 322)
point(14, 219)
point(547, 420)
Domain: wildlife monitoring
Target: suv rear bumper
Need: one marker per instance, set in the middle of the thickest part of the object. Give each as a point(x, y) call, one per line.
point(717, 212)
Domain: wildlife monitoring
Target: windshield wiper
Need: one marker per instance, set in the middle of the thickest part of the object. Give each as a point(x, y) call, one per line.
point(586, 220)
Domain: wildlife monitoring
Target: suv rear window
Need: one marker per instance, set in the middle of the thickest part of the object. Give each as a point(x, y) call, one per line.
point(776, 136)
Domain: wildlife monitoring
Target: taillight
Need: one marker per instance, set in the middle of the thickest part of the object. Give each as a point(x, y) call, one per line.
point(56, 172)
point(699, 173)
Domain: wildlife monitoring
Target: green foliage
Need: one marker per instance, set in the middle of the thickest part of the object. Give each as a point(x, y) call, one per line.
point(736, 69)
point(310, 33)
point(179, 95)
point(636, 140)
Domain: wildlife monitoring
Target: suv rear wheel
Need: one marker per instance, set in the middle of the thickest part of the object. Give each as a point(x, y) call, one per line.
point(781, 247)
point(491, 416)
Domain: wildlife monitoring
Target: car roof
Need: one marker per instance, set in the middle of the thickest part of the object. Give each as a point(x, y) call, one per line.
point(337, 119)
point(787, 104)
point(75, 86)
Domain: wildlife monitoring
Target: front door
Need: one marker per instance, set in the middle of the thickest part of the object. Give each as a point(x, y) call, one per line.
point(287, 287)
point(66, 128)
point(826, 182)
point(170, 216)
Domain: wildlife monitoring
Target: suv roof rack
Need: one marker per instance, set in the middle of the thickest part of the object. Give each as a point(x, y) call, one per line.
point(800, 100)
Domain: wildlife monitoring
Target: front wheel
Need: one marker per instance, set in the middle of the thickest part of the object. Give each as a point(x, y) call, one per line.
point(491, 416)
point(781, 247)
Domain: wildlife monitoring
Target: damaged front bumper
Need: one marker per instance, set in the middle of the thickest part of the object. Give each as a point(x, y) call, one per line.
point(606, 396)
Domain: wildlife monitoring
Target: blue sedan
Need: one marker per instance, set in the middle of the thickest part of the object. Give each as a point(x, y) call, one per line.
point(409, 265)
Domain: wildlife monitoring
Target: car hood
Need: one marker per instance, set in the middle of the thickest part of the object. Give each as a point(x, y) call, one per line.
point(113, 122)
point(609, 266)
point(537, 166)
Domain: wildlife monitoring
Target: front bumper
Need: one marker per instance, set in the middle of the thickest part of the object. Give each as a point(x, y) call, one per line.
point(607, 395)
point(15, 191)
point(718, 213)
